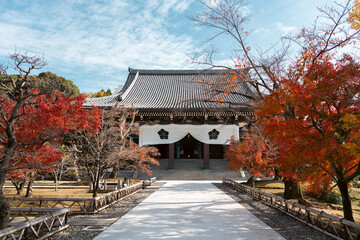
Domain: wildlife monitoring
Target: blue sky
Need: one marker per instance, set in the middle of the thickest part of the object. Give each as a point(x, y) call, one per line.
point(93, 42)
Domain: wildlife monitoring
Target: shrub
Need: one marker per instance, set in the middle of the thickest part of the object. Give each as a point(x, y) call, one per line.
point(329, 197)
point(355, 182)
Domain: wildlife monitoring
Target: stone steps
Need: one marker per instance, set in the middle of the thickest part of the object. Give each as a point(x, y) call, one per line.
point(194, 175)
point(192, 169)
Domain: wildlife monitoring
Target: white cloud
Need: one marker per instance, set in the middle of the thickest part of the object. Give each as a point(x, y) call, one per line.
point(261, 30)
point(175, 5)
point(98, 37)
point(227, 63)
point(285, 29)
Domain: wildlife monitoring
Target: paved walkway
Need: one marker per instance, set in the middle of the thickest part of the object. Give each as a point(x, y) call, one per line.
point(189, 210)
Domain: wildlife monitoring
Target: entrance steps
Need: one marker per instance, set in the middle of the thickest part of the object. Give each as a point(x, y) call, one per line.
point(192, 169)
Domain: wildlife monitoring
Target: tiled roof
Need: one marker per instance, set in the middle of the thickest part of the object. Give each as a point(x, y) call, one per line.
point(172, 89)
point(108, 101)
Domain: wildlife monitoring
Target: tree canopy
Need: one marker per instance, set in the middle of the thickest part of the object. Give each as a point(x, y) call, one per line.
point(48, 82)
point(101, 93)
point(314, 118)
point(32, 120)
point(62, 84)
point(354, 15)
point(251, 153)
point(307, 91)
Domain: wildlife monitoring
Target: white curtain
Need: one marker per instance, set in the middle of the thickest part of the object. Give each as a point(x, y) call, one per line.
point(149, 133)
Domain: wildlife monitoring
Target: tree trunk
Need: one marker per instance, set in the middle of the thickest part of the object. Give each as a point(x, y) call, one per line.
point(18, 185)
point(293, 190)
point(95, 186)
point(76, 173)
point(115, 172)
point(4, 212)
point(4, 165)
point(29, 188)
point(56, 184)
point(276, 174)
point(22, 185)
point(57, 178)
point(346, 202)
point(4, 208)
point(251, 181)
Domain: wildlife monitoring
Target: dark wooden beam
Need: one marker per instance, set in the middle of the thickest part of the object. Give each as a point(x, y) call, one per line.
point(171, 156)
point(206, 156)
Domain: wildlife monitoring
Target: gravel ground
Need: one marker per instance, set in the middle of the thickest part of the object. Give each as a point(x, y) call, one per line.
point(288, 227)
point(116, 211)
point(285, 225)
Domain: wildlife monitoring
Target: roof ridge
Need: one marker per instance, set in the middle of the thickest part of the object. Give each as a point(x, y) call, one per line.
point(176, 71)
point(103, 97)
point(128, 89)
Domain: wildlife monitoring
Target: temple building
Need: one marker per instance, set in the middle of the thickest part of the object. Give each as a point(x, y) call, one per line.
point(180, 113)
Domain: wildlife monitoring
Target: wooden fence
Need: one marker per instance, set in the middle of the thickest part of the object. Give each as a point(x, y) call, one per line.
point(76, 205)
point(149, 182)
point(337, 228)
point(50, 221)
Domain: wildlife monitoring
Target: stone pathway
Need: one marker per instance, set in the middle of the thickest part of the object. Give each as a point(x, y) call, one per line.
point(189, 210)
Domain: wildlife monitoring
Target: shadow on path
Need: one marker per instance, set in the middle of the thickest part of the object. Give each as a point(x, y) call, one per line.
point(287, 226)
point(189, 210)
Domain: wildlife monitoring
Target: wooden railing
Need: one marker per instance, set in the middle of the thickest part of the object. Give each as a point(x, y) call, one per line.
point(26, 213)
point(149, 182)
point(76, 205)
point(41, 227)
point(337, 228)
point(111, 198)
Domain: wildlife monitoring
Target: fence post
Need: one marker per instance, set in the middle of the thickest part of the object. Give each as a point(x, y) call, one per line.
point(308, 216)
point(346, 230)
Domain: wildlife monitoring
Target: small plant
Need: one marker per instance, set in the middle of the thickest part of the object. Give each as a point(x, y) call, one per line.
point(329, 197)
point(355, 182)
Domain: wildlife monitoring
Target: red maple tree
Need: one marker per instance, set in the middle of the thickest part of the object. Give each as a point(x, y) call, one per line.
point(31, 121)
point(252, 154)
point(48, 118)
point(137, 157)
point(314, 118)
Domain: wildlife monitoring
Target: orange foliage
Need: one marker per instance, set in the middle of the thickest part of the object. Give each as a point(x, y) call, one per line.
point(307, 120)
point(141, 157)
point(101, 93)
point(250, 153)
point(48, 118)
point(354, 15)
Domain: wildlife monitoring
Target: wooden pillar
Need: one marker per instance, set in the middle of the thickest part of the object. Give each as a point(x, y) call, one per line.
point(206, 156)
point(171, 155)
point(236, 120)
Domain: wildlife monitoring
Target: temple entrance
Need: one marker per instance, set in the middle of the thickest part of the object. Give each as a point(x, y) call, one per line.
point(163, 150)
point(216, 151)
point(188, 148)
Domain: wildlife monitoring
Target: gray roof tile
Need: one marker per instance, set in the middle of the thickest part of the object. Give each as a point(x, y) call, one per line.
point(171, 89)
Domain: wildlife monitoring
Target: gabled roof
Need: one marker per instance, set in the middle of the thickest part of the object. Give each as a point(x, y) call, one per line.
point(166, 90)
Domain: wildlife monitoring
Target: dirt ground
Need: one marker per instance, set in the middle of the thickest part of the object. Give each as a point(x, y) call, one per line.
point(78, 193)
point(50, 192)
